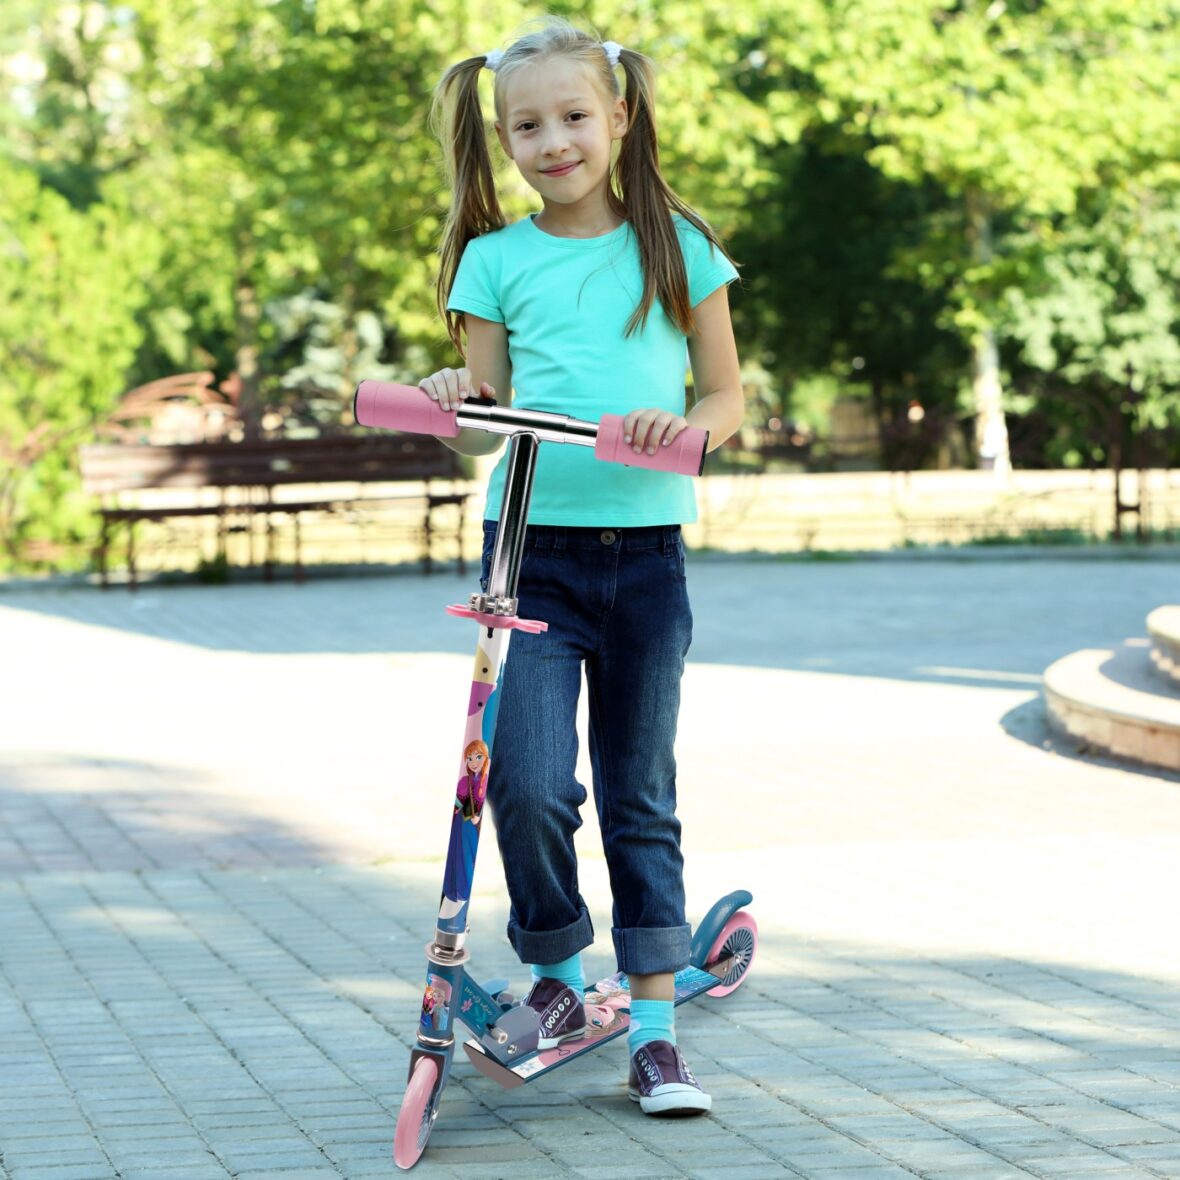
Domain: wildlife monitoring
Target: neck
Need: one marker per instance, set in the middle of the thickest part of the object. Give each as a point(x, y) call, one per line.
point(571, 221)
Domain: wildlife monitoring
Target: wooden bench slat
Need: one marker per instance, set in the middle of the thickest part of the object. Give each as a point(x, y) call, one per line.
point(262, 465)
point(362, 459)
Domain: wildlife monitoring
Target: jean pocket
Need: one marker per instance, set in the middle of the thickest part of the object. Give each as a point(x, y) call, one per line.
point(676, 561)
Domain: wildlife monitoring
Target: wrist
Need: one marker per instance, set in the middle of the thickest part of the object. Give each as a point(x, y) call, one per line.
point(473, 442)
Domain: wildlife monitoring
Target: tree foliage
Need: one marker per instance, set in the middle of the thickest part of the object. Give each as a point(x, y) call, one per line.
point(1017, 109)
point(828, 297)
point(71, 284)
point(250, 186)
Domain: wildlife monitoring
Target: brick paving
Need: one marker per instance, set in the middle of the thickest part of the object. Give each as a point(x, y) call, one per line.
point(220, 851)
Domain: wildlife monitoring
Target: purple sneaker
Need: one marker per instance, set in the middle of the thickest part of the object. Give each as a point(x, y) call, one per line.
point(560, 1009)
point(662, 1084)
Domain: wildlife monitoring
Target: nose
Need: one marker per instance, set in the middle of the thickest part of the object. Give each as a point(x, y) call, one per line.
point(555, 141)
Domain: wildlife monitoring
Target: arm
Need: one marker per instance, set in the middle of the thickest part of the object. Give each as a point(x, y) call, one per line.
point(719, 404)
point(488, 370)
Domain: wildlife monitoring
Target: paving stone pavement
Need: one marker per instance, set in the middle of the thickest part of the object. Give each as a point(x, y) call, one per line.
point(220, 848)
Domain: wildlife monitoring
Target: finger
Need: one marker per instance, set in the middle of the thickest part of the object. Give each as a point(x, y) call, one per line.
point(450, 398)
point(677, 426)
point(429, 386)
point(658, 435)
point(649, 440)
point(636, 427)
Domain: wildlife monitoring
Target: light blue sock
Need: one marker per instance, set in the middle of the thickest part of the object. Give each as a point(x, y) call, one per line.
point(569, 971)
point(651, 1020)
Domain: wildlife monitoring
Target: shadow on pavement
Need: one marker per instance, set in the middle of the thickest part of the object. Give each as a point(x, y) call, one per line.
point(61, 813)
point(995, 624)
point(1028, 723)
point(290, 999)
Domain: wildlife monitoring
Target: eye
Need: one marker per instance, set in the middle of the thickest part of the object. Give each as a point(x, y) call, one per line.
point(525, 125)
point(577, 115)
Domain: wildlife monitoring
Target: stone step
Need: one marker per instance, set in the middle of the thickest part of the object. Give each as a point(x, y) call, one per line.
point(1163, 625)
point(1115, 701)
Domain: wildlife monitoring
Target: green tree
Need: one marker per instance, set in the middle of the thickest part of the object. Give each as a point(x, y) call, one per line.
point(826, 297)
point(70, 286)
point(1016, 108)
point(277, 146)
point(1097, 337)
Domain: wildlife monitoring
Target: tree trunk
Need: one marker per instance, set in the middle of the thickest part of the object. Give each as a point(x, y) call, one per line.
point(248, 317)
point(991, 431)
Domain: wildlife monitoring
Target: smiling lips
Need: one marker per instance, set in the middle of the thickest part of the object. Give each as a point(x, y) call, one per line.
point(560, 170)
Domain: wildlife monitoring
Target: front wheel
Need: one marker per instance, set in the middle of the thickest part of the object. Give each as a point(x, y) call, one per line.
point(416, 1117)
point(738, 941)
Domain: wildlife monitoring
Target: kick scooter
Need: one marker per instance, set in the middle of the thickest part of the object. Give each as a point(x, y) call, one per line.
point(503, 1044)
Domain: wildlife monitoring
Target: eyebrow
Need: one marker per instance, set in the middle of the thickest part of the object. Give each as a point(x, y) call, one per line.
point(576, 100)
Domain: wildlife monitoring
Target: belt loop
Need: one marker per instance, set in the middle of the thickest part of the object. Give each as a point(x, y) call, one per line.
point(560, 533)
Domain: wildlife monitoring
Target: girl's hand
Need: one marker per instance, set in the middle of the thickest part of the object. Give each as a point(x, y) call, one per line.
point(451, 387)
point(649, 429)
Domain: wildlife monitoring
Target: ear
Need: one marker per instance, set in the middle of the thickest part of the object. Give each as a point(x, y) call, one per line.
point(503, 137)
point(619, 120)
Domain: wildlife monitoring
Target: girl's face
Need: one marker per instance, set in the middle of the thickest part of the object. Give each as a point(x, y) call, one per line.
point(475, 762)
point(558, 127)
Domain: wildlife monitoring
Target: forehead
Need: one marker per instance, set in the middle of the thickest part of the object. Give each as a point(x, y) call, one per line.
point(552, 82)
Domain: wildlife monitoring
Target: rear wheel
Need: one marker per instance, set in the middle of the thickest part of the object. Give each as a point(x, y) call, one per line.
point(737, 942)
point(416, 1117)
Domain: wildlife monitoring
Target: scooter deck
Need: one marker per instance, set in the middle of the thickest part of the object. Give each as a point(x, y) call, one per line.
point(613, 992)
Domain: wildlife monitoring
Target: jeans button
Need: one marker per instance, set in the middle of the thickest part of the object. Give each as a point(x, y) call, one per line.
point(607, 538)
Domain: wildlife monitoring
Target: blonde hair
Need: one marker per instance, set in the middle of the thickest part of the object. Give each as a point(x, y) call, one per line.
point(637, 192)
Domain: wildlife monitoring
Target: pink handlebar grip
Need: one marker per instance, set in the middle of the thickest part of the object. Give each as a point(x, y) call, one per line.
point(402, 407)
point(685, 456)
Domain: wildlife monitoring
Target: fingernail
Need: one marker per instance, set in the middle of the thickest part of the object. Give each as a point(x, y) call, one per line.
point(665, 442)
point(651, 450)
point(626, 438)
point(638, 450)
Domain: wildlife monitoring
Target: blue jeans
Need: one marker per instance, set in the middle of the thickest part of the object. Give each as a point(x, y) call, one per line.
point(615, 601)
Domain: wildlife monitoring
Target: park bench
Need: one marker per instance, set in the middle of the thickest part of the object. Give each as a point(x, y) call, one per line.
point(235, 483)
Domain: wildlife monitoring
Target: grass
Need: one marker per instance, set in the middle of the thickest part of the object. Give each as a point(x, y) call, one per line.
point(1035, 536)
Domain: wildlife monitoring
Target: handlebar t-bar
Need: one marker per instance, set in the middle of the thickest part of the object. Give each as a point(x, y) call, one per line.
point(410, 409)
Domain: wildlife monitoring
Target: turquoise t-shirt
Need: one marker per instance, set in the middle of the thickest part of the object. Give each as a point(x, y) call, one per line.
point(566, 303)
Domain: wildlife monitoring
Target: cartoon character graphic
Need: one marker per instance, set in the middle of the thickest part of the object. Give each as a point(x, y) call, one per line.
point(435, 1001)
point(470, 794)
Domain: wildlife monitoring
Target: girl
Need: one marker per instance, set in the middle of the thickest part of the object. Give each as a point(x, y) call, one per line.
point(586, 308)
point(469, 798)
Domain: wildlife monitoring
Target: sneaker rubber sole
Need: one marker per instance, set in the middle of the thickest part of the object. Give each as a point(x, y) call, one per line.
point(674, 1100)
point(553, 1042)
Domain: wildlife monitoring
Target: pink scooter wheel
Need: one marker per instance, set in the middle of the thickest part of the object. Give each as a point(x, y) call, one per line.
point(738, 940)
point(416, 1118)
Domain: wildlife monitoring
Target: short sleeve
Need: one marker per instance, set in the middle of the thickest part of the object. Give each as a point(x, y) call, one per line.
point(707, 267)
point(473, 290)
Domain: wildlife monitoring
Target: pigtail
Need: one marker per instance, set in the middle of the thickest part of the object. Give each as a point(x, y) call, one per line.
point(458, 120)
point(647, 201)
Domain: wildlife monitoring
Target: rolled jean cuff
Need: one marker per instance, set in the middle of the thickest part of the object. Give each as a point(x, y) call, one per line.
point(652, 950)
point(551, 946)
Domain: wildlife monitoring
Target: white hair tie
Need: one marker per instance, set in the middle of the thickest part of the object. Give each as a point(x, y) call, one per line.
point(612, 49)
point(493, 59)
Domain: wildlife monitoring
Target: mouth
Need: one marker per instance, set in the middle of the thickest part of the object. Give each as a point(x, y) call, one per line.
point(560, 170)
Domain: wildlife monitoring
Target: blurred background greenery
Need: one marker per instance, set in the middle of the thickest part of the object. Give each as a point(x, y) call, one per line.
point(958, 220)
